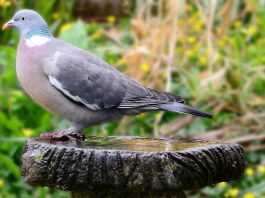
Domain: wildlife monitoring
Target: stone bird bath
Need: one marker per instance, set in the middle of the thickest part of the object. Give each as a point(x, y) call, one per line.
point(130, 166)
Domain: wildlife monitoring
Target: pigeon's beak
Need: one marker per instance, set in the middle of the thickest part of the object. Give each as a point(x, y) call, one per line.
point(8, 24)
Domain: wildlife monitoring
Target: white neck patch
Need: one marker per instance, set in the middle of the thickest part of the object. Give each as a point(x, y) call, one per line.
point(37, 41)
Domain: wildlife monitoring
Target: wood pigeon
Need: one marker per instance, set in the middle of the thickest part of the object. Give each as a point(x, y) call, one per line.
point(76, 84)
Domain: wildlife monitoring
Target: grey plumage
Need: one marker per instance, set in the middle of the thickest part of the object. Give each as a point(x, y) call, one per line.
point(97, 84)
point(78, 85)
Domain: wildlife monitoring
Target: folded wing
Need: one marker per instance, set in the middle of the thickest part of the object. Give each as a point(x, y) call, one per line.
point(86, 79)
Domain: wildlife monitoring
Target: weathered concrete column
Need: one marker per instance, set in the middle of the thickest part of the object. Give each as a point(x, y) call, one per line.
point(130, 166)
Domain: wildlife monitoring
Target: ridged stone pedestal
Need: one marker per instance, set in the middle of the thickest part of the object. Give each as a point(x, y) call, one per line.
point(129, 166)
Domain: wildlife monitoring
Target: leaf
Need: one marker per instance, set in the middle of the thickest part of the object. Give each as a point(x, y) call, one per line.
point(10, 165)
point(76, 35)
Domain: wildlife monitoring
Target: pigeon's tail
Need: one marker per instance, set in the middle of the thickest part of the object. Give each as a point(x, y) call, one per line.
point(182, 108)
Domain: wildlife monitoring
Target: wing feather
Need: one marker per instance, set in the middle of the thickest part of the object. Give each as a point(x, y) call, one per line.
point(86, 79)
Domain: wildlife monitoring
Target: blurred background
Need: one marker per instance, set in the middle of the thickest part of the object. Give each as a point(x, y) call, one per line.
point(212, 53)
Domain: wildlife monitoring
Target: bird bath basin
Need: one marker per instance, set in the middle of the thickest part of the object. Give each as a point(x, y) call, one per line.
point(130, 166)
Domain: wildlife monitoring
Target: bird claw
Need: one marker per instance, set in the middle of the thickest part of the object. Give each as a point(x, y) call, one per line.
point(62, 136)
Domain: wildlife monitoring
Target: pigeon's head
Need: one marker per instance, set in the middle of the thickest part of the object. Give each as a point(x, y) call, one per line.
point(26, 21)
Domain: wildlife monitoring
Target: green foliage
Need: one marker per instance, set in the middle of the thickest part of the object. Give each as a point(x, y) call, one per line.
point(77, 35)
point(249, 185)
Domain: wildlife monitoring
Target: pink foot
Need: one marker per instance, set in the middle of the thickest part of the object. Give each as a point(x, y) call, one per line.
point(62, 136)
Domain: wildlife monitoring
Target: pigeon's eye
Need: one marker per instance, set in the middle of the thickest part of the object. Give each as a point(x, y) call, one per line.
point(22, 18)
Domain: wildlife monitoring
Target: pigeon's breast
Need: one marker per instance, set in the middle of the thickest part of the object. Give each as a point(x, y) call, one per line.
point(28, 67)
point(35, 83)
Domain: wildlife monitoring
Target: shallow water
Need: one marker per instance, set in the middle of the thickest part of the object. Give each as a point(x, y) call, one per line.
point(128, 143)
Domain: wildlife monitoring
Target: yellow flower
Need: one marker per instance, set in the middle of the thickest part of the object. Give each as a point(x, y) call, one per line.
point(218, 57)
point(197, 14)
point(223, 41)
point(222, 184)
point(180, 50)
point(56, 15)
point(261, 169)
point(111, 19)
point(191, 39)
point(181, 39)
point(203, 61)
point(237, 24)
point(27, 132)
point(199, 25)
point(251, 31)
point(249, 195)
point(188, 8)
point(163, 75)
point(2, 182)
point(233, 192)
point(192, 21)
point(121, 61)
point(5, 3)
point(145, 67)
point(249, 171)
point(96, 35)
point(190, 53)
point(66, 26)
point(232, 41)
